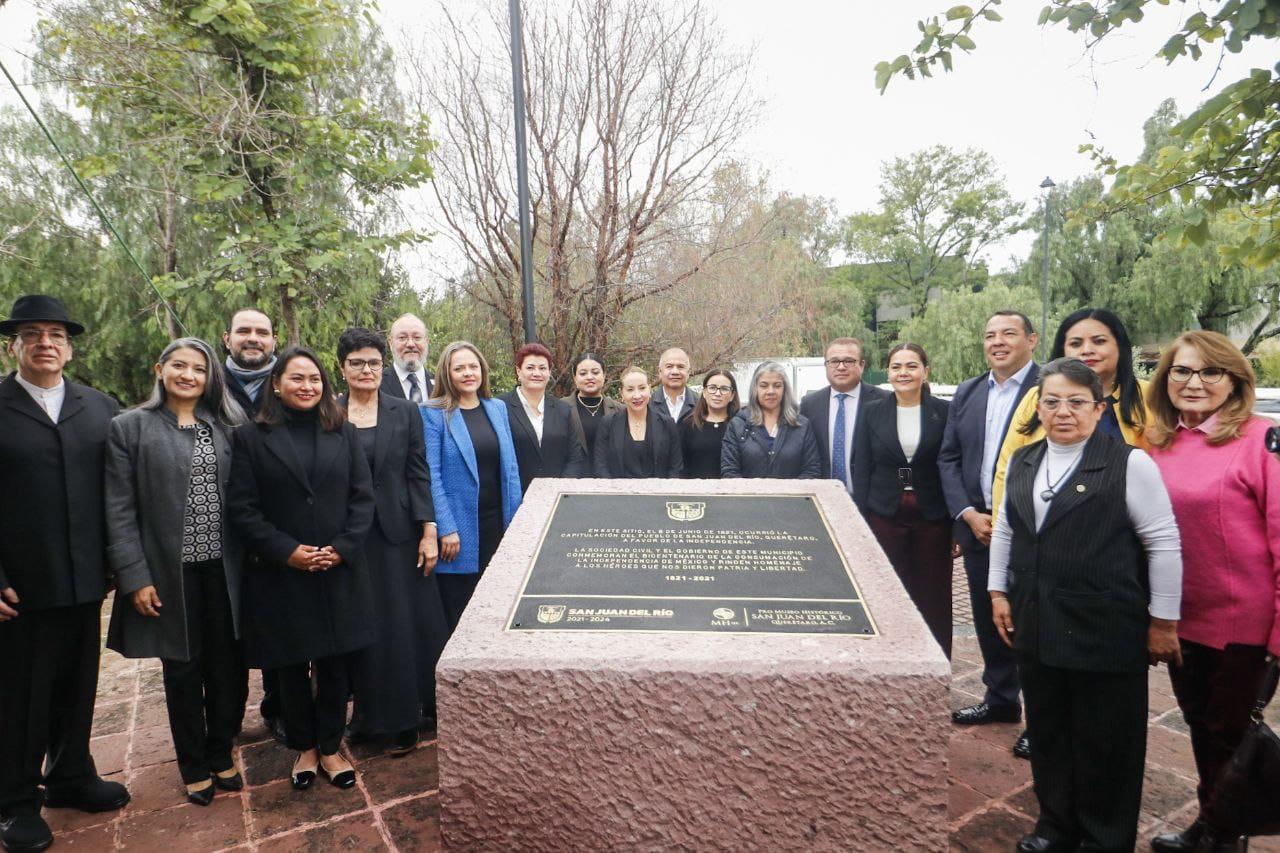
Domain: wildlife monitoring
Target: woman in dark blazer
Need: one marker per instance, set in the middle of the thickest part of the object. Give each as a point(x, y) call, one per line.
point(177, 569)
point(542, 426)
point(301, 499)
point(588, 404)
point(636, 442)
point(394, 679)
point(770, 438)
point(1086, 587)
point(702, 433)
point(475, 481)
point(897, 486)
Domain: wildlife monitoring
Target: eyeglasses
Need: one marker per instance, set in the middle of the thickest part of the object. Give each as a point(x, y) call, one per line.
point(405, 338)
point(362, 364)
point(1074, 404)
point(843, 362)
point(1208, 375)
point(34, 336)
point(718, 389)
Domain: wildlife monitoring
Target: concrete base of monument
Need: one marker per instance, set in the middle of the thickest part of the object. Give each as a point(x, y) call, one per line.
point(622, 739)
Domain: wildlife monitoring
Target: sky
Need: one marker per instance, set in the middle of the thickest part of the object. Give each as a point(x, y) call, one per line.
point(1029, 96)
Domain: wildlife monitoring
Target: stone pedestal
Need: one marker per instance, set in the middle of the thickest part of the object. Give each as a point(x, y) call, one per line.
point(581, 740)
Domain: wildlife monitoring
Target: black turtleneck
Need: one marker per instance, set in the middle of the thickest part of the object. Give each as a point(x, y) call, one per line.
point(302, 426)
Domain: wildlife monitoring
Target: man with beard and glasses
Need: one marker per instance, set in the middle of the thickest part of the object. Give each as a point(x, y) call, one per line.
point(250, 341)
point(251, 353)
point(408, 377)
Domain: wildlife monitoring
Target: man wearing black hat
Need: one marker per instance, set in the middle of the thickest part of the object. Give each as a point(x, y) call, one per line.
point(53, 577)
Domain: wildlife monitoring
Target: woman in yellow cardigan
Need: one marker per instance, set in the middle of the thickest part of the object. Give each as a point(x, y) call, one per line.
point(1100, 340)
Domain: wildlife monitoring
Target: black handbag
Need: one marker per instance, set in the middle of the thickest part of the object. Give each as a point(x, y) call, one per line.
point(1246, 799)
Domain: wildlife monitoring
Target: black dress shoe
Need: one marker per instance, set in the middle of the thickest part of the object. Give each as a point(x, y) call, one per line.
point(1179, 842)
point(1213, 842)
point(303, 778)
point(229, 783)
point(97, 796)
point(404, 743)
point(982, 713)
point(25, 833)
point(275, 727)
point(357, 736)
point(202, 797)
point(1034, 844)
point(1022, 746)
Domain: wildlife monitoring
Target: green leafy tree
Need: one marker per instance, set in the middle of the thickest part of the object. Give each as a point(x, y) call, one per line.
point(938, 210)
point(951, 332)
point(1222, 161)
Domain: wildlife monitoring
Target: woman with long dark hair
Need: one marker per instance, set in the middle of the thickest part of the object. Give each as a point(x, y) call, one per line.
point(301, 498)
point(702, 433)
point(1099, 339)
point(589, 404)
point(475, 478)
point(394, 682)
point(898, 487)
point(177, 568)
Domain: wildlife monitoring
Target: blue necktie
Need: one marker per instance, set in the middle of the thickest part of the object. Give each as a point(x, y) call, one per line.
point(839, 465)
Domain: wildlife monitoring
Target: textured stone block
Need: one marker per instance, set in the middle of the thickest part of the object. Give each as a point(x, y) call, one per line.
point(555, 740)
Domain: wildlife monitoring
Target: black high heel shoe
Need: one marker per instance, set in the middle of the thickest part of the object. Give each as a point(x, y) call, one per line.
point(202, 797)
point(302, 779)
point(342, 779)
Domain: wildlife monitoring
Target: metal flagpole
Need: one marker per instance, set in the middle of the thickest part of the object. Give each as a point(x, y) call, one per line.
point(522, 172)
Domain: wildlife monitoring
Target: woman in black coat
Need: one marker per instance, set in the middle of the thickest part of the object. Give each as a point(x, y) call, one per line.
point(394, 681)
point(548, 444)
point(636, 442)
point(301, 498)
point(770, 438)
point(897, 486)
point(702, 433)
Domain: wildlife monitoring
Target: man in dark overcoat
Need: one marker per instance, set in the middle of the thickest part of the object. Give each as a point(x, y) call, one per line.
point(53, 577)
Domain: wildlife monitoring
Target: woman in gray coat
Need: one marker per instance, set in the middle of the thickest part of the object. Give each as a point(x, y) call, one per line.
point(177, 572)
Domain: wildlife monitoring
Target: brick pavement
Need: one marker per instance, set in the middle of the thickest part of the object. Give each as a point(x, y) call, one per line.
point(395, 806)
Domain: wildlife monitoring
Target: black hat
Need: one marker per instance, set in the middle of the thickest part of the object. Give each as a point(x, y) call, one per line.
point(37, 308)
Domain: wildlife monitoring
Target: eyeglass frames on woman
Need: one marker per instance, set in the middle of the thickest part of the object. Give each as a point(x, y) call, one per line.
point(1208, 375)
point(718, 389)
point(1074, 404)
point(361, 364)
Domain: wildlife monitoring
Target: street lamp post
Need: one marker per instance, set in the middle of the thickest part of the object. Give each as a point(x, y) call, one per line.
point(1047, 185)
point(522, 171)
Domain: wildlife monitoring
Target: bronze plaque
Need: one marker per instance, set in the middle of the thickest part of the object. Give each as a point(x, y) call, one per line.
point(714, 563)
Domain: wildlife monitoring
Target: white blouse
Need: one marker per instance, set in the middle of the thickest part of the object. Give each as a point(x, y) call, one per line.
point(909, 430)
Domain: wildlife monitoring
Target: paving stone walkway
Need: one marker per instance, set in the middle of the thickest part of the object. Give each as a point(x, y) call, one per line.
point(395, 806)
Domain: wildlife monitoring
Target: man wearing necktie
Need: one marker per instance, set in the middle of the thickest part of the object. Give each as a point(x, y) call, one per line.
point(408, 377)
point(834, 410)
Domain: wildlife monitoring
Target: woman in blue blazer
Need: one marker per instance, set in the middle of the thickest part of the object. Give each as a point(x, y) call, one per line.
point(475, 478)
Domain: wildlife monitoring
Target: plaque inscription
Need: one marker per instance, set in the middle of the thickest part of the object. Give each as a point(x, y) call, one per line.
point(709, 563)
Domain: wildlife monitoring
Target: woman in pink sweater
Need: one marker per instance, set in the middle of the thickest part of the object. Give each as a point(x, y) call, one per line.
point(1225, 490)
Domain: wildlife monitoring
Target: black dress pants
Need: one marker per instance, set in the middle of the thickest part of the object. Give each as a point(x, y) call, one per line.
point(1090, 736)
point(206, 695)
point(316, 720)
point(1216, 689)
point(456, 589)
point(47, 690)
point(999, 663)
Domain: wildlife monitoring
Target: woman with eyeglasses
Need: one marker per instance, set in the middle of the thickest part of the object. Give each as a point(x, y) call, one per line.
point(542, 427)
point(1225, 489)
point(1085, 584)
point(898, 487)
point(1100, 340)
point(702, 433)
point(393, 679)
point(769, 437)
point(589, 405)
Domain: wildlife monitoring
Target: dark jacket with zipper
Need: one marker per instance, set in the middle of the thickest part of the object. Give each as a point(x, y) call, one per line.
point(1078, 587)
point(745, 451)
point(292, 616)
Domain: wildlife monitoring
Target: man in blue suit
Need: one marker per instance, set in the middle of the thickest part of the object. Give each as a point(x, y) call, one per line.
point(980, 415)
